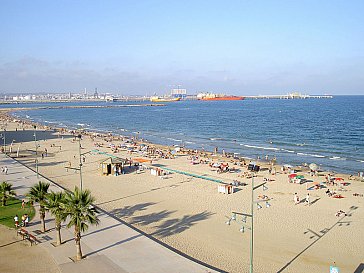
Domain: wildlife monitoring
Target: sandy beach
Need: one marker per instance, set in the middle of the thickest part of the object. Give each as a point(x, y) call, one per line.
point(187, 212)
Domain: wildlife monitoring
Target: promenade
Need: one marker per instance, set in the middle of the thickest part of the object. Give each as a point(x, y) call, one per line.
point(109, 247)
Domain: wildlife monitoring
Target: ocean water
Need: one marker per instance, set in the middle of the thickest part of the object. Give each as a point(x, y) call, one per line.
point(328, 132)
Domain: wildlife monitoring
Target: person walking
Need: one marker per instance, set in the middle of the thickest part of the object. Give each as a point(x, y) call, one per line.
point(23, 204)
point(26, 221)
point(16, 220)
point(296, 199)
point(308, 199)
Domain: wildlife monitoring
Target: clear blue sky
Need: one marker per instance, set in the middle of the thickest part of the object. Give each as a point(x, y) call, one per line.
point(142, 47)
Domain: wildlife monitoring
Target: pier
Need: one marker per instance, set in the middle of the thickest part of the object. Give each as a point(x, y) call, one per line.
point(290, 96)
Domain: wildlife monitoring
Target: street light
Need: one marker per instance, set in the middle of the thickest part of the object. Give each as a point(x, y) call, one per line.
point(251, 215)
point(2, 136)
point(36, 150)
point(81, 154)
point(79, 150)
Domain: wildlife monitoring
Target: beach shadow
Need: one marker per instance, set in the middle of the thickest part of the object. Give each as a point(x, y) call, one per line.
point(94, 232)
point(47, 220)
point(178, 225)
point(151, 218)
point(314, 201)
point(19, 187)
point(8, 244)
point(44, 164)
point(318, 235)
point(236, 189)
point(113, 245)
point(360, 268)
point(128, 211)
point(144, 192)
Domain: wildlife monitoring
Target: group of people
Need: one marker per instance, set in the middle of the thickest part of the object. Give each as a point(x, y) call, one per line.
point(4, 170)
point(24, 220)
point(297, 200)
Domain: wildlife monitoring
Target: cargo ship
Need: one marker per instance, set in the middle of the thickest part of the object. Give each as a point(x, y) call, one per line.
point(163, 99)
point(210, 96)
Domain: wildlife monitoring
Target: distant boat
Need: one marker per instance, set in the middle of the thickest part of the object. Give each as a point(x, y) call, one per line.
point(211, 96)
point(163, 99)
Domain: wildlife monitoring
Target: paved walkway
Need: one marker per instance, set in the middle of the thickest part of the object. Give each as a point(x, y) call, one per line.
point(109, 247)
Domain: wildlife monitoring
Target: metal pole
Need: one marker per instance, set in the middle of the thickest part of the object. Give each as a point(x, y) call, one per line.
point(36, 150)
point(252, 229)
point(79, 150)
point(4, 143)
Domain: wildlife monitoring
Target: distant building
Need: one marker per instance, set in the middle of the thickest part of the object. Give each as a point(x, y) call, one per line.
point(179, 93)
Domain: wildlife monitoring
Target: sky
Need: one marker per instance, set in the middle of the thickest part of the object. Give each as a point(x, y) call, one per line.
point(246, 47)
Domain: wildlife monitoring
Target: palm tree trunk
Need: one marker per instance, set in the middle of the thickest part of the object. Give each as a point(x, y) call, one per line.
point(58, 229)
point(3, 201)
point(42, 217)
point(78, 245)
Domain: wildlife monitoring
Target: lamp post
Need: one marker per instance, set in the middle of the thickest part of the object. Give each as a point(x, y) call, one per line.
point(79, 150)
point(251, 215)
point(81, 154)
point(3, 137)
point(36, 150)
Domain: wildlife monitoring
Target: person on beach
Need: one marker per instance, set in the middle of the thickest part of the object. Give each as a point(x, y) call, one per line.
point(26, 220)
point(340, 212)
point(308, 199)
point(296, 199)
point(16, 220)
point(6, 170)
point(23, 204)
point(23, 220)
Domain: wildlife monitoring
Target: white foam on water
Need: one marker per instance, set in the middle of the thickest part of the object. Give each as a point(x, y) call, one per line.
point(173, 139)
point(261, 147)
point(288, 151)
point(337, 158)
point(313, 155)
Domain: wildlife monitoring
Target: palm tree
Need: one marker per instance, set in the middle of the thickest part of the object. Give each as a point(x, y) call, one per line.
point(6, 191)
point(55, 204)
point(79, 208)
point(38, 193)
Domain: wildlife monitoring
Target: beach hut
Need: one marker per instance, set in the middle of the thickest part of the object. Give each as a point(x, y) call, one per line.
point(113, 166)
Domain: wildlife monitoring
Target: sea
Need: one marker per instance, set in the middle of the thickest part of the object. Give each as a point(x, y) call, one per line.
point(327, 132)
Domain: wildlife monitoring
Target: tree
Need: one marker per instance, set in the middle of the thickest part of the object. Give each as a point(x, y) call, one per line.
point(55, 204)
point(78, 207)
point(38, 193)
point(6, 191)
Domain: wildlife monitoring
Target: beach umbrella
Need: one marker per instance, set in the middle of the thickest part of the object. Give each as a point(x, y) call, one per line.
point(313, 166)
point(288, 166)
point(339, 179)
point(292, 175)
point(300, 176)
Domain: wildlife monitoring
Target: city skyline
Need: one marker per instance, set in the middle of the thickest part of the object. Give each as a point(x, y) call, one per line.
point(146, 47)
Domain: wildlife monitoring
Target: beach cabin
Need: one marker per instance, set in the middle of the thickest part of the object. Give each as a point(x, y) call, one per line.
point(226, 189)
point(113, 166)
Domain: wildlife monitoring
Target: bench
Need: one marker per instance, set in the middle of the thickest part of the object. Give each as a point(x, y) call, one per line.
point(32, 239)
point(22, 232)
